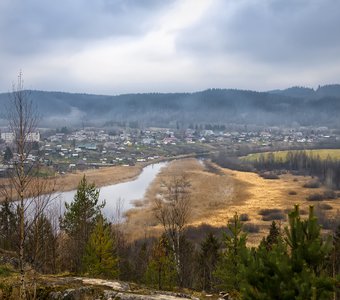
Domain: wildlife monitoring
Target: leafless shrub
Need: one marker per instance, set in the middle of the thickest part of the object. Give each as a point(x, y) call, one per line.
point(269, 211)
point(274, 216)
point(325, 206)
point(315, 197)
point(325, 221)
point(251, 228)
point(312, 184)
point(269, 175)
point(244, 217)
point(329, 194)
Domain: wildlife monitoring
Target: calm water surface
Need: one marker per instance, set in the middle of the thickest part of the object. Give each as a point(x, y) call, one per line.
point(126, 191)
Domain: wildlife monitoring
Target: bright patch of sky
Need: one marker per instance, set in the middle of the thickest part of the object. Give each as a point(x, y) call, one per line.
point(127, 46)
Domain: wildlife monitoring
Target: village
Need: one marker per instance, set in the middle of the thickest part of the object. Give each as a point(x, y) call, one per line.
point(68, 149)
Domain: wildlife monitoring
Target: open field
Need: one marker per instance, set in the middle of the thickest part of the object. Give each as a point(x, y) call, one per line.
point(216, 196)
point(322, 153)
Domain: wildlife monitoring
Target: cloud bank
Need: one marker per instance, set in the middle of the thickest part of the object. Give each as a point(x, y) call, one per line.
point(121, 46)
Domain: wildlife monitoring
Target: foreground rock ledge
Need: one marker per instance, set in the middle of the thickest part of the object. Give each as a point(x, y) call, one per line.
point(79, 288)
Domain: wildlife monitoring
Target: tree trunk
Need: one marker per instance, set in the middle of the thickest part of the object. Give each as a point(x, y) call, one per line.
point(21, 248)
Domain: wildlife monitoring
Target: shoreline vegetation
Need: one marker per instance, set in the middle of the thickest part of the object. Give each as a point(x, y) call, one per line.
point(101, 177)
point(105, 176)
point(217, 194)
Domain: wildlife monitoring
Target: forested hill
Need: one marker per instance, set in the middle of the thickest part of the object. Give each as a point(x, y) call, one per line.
point(299, 106)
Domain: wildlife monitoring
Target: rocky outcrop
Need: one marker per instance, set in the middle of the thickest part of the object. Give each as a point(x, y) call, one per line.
point(91, 288)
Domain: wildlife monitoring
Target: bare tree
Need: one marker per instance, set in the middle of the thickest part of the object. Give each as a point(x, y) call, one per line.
point(172, 210)
point(24, 186)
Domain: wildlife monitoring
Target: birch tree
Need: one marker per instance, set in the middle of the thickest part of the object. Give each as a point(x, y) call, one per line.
point(30, 192)
point(172, 210)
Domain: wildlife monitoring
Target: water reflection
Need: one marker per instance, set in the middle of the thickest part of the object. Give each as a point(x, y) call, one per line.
point(126, 191)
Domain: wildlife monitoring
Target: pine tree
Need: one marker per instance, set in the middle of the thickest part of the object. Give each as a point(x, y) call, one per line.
point(305, 242)
point(99, 259)
point(293, 268)
point(231, 266)
point(268, 274)
point(80, 218)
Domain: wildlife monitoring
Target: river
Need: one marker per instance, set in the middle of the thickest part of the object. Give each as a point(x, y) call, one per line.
point(126, 192)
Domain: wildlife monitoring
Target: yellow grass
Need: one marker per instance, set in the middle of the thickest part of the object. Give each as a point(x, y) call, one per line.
point(322, 153)
point(208, 193)
point(216, 197)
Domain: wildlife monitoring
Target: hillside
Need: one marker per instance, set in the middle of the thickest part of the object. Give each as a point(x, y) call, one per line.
point(298, 106)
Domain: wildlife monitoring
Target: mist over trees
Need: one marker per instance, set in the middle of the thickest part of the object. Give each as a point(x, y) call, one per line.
point(296, 105)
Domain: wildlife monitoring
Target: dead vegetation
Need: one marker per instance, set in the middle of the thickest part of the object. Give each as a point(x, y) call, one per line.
point(218, 194)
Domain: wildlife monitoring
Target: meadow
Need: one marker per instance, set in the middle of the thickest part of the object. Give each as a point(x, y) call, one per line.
point(219, 193)
point(323, 154)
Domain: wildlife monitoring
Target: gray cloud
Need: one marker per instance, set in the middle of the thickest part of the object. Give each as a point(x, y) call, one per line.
point(158, 45)
point(278, 31)
point(38, 25)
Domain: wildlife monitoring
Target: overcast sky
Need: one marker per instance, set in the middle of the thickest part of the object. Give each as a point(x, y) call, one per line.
point(123, 46)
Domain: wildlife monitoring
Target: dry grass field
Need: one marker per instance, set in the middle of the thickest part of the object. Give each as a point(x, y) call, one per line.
point(209, 192)
point(322, 153)
point(218, 193)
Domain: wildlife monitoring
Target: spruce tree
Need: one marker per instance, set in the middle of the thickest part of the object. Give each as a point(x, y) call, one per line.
point(8, 154)
point(336, 260)
point(273, 237)
point(80, 218)
point(8, 226)
point(208, 258)
point(41, 244)
point(161, 271)
point(99, 259)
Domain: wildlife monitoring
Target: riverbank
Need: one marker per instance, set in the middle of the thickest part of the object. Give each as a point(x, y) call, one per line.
point(210, 192)
point(108, 175)
point(218, 193)
point(101, 177)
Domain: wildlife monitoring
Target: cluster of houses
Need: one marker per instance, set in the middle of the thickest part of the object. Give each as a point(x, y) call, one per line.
point(94, 146)
point(8, 137)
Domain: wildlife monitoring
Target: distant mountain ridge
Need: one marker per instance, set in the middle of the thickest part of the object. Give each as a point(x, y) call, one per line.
point(296, 105)
point(331, 90)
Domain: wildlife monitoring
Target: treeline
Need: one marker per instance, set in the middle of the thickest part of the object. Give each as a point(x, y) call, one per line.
point(304, 163)
point(291, 263)
point(227, 106)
